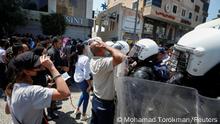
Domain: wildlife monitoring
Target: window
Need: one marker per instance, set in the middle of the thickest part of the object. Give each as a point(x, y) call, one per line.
point(197, 8)
point(174, 8)
point(148, 28)
point(104, 25)
point(197, 18)
point(160, 32)
point(183, 14)
point(190, 15)
point(147, 2)
point(112, 26)
point(157, 3)
point(134, 5)
point(38, 5)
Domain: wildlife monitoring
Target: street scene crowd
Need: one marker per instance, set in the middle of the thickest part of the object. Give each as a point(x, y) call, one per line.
point(33, 73)
point(32, 68)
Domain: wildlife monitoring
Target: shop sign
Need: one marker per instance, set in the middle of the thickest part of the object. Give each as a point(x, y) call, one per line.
point(78, 21)
point(129, 22)
point(184, 21)
point(165, 15)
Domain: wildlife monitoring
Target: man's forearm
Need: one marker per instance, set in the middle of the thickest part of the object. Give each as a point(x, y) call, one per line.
point(60, 83)
point(118, 57)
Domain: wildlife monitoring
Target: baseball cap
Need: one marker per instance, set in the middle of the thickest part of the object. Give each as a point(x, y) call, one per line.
point(26, 60)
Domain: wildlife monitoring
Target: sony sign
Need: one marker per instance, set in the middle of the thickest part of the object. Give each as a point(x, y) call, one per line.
point(74, 20)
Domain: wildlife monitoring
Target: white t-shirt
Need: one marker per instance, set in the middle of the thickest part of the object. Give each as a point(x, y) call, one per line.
point(28, 102)
point(103, 78)
point(2, 55)
point(82, 69)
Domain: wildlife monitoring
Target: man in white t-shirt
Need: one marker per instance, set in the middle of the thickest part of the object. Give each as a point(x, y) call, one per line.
point(103, 80)
point(2, 55)
point(3, 62)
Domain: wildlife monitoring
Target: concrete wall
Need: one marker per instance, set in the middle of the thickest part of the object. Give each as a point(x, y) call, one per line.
point(124, 25)
point(112, 3)
point(126, 3)
point(34, 27)
point(77, 32)
point(52, 6)
point(150, 11)
point(89, 6)
point(128, 21)
point(167, 14)
point(65, 7)
point(79, 9)
point(108, 35)
point(82, 8)
point(162, 13)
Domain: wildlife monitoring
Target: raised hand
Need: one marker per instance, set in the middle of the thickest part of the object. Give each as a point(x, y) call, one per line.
point(46, 62)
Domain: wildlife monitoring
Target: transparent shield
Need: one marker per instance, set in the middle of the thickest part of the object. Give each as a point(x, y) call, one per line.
point(122, 68)
point(145, 101)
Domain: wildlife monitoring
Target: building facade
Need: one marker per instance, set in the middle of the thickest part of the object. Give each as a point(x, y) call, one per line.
point(77, 13)
point(117, 23)
point(167, 20)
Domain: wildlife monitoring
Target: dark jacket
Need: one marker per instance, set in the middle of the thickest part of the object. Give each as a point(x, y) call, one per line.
point(55, 58)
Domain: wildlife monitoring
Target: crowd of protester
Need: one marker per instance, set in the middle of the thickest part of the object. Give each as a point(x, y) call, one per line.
point(23, 49)
point(31, 68)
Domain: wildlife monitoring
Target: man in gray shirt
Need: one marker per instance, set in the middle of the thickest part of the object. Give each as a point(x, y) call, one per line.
point(102, 69)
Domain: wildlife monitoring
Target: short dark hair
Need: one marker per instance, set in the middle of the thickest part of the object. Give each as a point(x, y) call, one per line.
point(38, 51)
point(79, 48)
point(16, 48)
point(44, 43)
point(79, 51)
point(55, 40)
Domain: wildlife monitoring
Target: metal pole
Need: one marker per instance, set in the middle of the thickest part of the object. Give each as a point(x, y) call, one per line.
point(135, 23)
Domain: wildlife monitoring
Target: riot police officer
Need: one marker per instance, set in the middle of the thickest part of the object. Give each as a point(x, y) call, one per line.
point(148, 56)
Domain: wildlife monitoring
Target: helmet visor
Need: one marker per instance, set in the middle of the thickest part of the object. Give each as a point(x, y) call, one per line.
point(135, 51)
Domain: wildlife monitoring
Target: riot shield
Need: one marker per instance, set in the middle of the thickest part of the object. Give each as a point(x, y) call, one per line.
point(144, 101)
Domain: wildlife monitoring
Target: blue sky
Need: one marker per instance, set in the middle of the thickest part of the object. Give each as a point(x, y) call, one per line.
point(97, 4)
point(213, 7)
